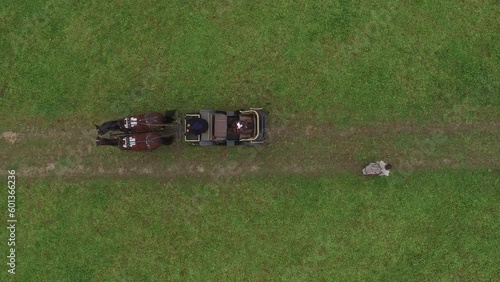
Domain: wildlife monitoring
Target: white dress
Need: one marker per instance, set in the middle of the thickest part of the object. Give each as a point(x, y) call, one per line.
point(377, 168)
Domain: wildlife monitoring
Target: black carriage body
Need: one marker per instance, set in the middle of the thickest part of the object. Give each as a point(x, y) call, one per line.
point(220, 131)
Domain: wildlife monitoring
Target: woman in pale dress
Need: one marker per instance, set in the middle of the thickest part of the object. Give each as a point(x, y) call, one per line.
point(377, 168)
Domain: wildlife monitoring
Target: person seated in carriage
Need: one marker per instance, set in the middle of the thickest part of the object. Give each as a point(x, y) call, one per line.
point(242, 127)
point(196, 126)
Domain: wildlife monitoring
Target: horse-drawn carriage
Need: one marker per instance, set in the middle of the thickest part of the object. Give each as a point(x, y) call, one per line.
point(206, 128)
point(243, 127)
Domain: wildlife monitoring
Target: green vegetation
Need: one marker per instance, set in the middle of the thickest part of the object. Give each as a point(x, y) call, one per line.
point(440, 225)
point(341, 62)
point(416, 83)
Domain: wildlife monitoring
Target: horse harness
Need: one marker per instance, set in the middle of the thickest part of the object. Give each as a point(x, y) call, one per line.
point(129, 142)
point(129, 122)
point(132, 121)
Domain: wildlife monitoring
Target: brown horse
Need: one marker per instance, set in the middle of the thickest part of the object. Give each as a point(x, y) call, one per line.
point(138, 123)
point(137, 141)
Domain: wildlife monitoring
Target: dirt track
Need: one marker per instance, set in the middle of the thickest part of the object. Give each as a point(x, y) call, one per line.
point(305, 150)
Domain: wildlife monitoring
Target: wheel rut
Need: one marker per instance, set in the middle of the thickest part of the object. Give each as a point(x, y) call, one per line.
point(305, 150)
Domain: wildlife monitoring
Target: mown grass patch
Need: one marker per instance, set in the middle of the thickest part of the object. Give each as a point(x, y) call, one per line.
point(432, 225)
point(342, 62)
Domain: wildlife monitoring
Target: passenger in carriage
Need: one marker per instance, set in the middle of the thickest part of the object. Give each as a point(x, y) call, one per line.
point(197, 126)
point(242, 127)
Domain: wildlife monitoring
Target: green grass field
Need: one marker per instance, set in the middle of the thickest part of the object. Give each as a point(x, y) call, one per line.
point(416, 83)
point(342, 62)
point(441, 225)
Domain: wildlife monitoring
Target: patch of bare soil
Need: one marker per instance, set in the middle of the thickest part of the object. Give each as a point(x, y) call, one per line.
point(307, 150)
point(10, 137)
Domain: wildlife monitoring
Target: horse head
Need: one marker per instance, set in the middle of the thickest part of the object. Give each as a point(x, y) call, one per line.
point(106, 141)
point(98, 141)
point(107, 126)
point(99, 131)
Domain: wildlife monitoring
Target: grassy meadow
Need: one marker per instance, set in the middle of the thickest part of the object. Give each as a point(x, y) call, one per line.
point(339, 62)
point(357, 74)
point(440, 225)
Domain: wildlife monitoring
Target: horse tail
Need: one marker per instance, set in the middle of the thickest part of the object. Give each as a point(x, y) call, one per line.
point(167, 140)
point(169, 116)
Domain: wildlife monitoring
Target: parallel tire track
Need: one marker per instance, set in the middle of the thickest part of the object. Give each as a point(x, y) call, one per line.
point(307, 150)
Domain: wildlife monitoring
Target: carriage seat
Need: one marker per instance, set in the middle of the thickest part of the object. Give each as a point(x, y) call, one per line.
point(220, 126)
